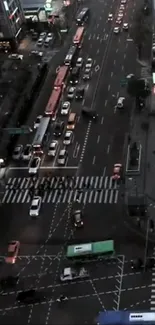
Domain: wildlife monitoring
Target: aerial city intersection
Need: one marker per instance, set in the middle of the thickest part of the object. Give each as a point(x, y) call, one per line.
point(62, 204)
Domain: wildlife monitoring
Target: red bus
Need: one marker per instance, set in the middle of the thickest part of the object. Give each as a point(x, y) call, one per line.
point(78, 36)
point(53, 102)
point(61, 77)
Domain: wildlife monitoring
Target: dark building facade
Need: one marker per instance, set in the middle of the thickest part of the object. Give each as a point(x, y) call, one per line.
point(11, 23)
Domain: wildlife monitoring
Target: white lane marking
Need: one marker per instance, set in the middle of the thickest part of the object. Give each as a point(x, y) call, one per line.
point(109, 87)
point(112, 73)
point(105, 104)
point(102, 120)
point(104, 171)
point(94, 159)
point(98, 139)
point(108, 149)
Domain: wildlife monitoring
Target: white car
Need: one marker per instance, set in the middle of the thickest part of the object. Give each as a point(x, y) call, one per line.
point(89, 63)
point(17, 152)
point(53, 148)
point(120, 14)
point(37, 53)
point(125, 26)
point(110, 17)
point(71, 274)
point(37, 122)
point(35, 206)
point(68, 138)
point(120, 102)
point(116, 30)
point(79, 62)
point(62, 157)
point(65, 108)
point(123, 2)
point(40, 42)
point(122, 7)
point(86, 76)
point(34, 165)
point(16, 56)
point(27, 152)
point(43, 35)
point(71, 93)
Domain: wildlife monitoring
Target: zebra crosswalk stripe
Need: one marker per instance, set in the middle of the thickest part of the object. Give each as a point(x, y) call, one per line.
point(100, 190)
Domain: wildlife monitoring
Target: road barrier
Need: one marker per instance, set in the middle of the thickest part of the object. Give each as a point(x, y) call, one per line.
point(132, 169)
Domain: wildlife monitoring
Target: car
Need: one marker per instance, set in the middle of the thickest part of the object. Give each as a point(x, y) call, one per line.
point(137, 264)
point(30, 296)
point(40, 42)
point(35, 206)
point(110, 17)
point(37, 53)
point(43, 35)
point(120, 14)
point(68, 138)
point(37, 122)
point(13, 250)
point(58, 128)
point(79, 62)
point(125, 26)
point(122, 7)
point(53, 148)
point(117, 171)
point(65, 108)
point(89, 64)
point(62, 158)
point(71, 92)
point(27, 152)
point(120, 102)
point(34, 165)
point(74, 77)
point(86, 76)
point(119, 20)
point(34, 36)
point(70, 274)
point(9, 281)
point(16, 56)
point(123, 2)
point(77, 218)
point(50, 35)
point(80, 92)
point(88, 112)
point(116, 30)
point(17, 152)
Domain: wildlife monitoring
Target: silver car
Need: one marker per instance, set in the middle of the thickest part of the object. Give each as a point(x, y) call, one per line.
point(17, 153)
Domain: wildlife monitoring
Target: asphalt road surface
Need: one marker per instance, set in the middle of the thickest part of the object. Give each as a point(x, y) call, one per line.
point(112, 283)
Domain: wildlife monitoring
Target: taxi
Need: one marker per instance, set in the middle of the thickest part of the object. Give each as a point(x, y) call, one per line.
point(13, 250)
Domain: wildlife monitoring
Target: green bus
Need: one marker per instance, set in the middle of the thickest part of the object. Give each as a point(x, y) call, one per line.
point(90, 250)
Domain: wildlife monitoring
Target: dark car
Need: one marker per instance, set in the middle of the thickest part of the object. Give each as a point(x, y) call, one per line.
point(87, 112)
point(78, 218)
point(80, 93)
point(8, 281)
point(137, 264)
point(58, 128)
point(75, 75)
point(30, 296)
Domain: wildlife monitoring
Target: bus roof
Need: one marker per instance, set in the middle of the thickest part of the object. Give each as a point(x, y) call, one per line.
point(41, 131)
point(103, 246)
point(125, 318)
point(90, 248)
point(53, 101)
point(78, 35)
point(62, 73)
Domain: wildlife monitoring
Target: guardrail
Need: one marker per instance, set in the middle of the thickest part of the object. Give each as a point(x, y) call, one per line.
point(132, 169)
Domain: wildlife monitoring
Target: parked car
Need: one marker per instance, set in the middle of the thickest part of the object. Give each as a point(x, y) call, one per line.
point(30, 296)
point(62, 158)
point(71, 274)
point(58, 128)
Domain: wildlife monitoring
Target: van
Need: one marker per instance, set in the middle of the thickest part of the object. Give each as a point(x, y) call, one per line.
point(71, 121)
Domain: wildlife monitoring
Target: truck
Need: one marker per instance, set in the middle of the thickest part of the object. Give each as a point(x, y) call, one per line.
point(71, 274)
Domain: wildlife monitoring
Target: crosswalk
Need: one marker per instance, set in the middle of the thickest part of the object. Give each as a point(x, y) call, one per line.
point(153, 287)
point(89, 189)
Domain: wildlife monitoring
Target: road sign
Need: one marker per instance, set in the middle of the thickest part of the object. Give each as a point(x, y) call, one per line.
point(22, 130)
